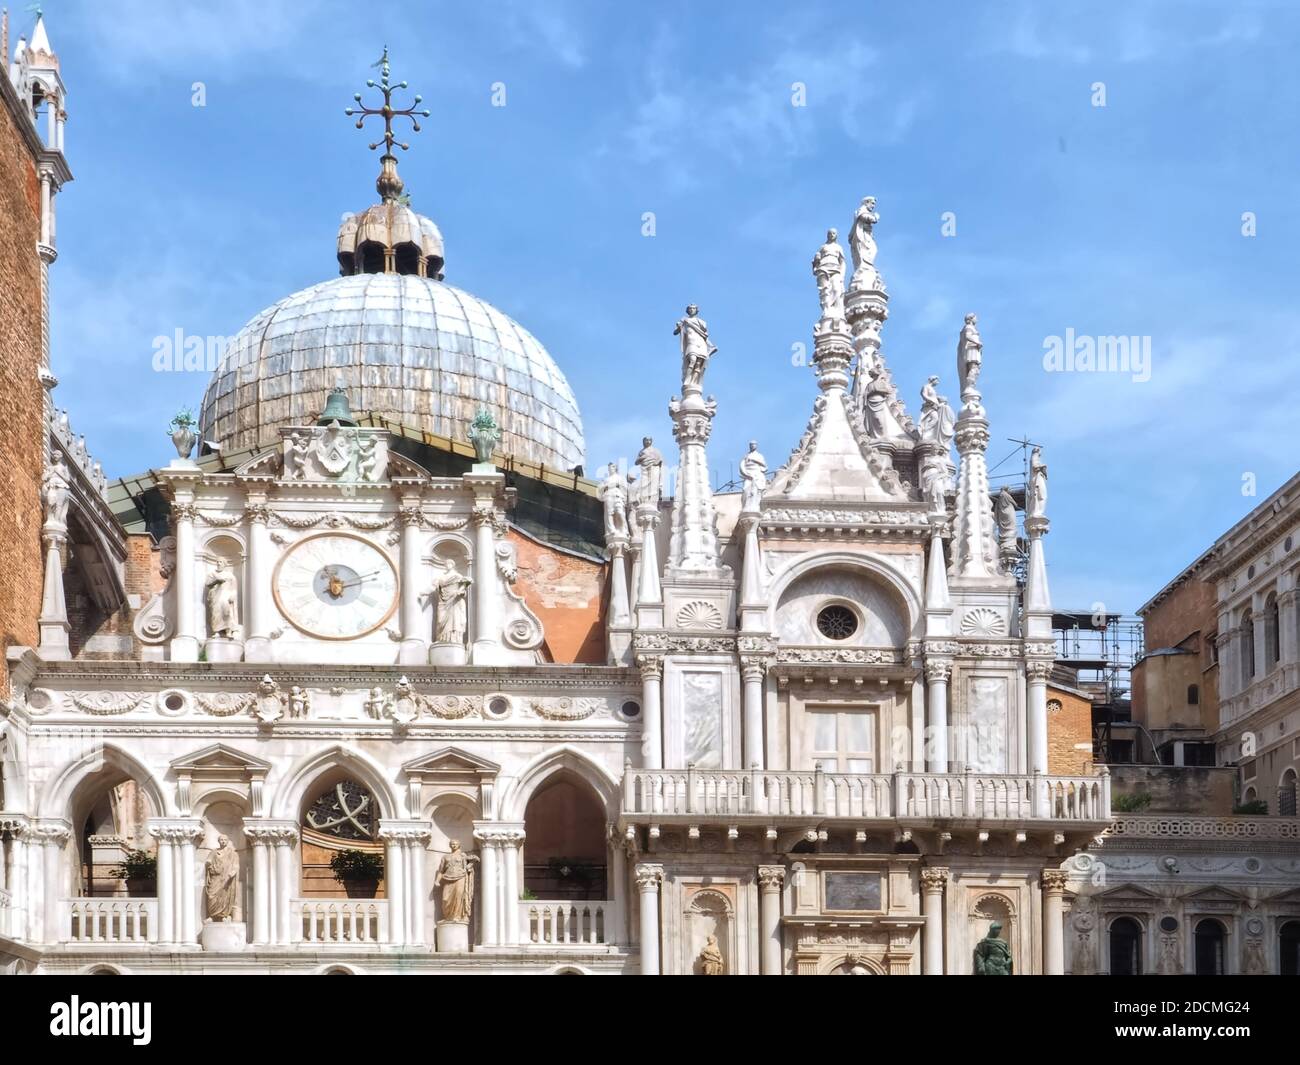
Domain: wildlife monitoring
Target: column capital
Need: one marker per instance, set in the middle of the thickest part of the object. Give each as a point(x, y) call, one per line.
point(649, 876)
point(771, 877)
point(1053, 881)
point(938, 670)
point(52, 830)
point(175, 829)
point(651, 666)
point(1038, 671)
point(754, 667)
point(403, 830)
point(499, 833)
point(268, 831)
point(933, 879)
point(258, 513)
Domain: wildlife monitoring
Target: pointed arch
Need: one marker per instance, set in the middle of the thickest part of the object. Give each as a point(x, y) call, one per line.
point(515, 796)
point(58, 796)
point(291, 792)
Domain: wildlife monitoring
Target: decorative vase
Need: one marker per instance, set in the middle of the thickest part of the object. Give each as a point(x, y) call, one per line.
point(183, 437)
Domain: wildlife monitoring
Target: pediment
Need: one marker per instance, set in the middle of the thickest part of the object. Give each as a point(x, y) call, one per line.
point(1129, 893)
point(221, 759)
point(402, 468)
point(1214, 893)
point(265, 466)
point(449, 760)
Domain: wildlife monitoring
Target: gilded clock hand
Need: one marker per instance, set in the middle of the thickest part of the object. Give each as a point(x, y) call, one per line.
point(362, 578)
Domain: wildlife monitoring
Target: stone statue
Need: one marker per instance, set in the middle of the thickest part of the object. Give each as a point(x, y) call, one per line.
point(295, 457)
point(862, 244)
point(220, 877)
point(299, 702)
point(993, 955)
point(938, 425)
point(696, 348)
point(451, 590)
point(56, 490)
point(376, 704)
point(651, 485)
point(934, 484)
point(828, 269)
point(970, 350)
point(753, 472)
point(484, 434)
point(1036, 504)
point(456, 878)
point(1006, 508)
point(221, 594)
point(613, 493)
point(710, 959)
point(367, 458)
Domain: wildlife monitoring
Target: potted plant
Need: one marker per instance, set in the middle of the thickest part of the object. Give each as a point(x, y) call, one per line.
point(140, 871)
point(358, 871)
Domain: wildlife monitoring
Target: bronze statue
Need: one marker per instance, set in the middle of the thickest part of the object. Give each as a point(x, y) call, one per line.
point(993, 955)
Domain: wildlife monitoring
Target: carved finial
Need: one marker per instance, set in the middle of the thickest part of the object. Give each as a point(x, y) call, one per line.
point(388, 183)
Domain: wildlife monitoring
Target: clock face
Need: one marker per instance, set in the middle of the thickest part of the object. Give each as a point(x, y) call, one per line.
point(335, 586)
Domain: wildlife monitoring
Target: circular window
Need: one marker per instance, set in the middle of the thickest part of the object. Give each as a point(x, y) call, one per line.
point(174, 701)
point(498, 706)
point(1053, 706)
point(837, 622)
point(1169, 924)
point(631, 709)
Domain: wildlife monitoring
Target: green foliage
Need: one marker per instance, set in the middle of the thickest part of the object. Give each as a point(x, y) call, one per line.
point(136, 865)
point(357, 865)
point(1131, 804)
point(1254, 807)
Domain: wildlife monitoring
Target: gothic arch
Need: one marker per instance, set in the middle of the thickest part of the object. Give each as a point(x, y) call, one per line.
point(514, 799)
point(58, 797)
point(292, 790)
point(874, 569)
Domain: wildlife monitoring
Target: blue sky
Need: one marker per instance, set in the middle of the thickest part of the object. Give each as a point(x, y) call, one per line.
point(1117, 220)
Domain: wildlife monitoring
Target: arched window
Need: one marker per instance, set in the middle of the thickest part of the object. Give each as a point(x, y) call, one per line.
point(1210, 937)
point(1125, 947)
point(1247, 647)
point(1271, 650)
point(1286, 794)
point(1288, 942)
point(565, 852)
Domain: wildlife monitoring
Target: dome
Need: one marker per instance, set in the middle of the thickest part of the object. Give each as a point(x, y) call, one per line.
point(409, 348)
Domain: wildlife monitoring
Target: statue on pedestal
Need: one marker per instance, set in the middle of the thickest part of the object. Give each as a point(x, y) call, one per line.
point(992, 954)
point(55, 491)
point(696, 348)
point(455, 877)
point(1006, 509)
point(221, 874)
point(828, 269)
point(710, 959)
point(862, 245)
point(938, 425)
point(221, 595)
point(451, 590)
point(753, 472)
point(613, 493)
point(651, 486)
point(970, 354)
point(1036, 503)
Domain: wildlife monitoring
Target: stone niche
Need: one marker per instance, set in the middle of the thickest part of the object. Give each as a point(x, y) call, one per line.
point(709, 910)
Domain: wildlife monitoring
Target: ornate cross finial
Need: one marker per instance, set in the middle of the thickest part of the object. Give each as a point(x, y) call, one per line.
point(388, 183)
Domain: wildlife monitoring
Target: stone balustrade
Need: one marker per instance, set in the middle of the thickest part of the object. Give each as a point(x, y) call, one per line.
point(347, 922)
point(116, 920)
point(565, 922)
point(865, 796)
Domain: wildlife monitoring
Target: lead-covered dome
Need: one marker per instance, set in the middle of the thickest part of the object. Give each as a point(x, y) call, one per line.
point(406, 347)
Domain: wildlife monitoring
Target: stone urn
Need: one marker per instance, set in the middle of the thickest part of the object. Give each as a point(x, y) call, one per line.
point(183, 437)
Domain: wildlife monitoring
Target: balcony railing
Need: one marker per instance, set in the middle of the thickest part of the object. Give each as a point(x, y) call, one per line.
point(865, 796)
point(564, 922)
point(124, 920)
point(346, 921)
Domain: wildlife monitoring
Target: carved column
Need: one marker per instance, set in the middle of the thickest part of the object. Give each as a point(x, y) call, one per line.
point(415, 640)
point(937, 674)
point(54, 610)
point(185, 644)
point(487, 625)
point(1037, 673)
point(286, 835)
point(1053, 884)
point(649, 879)
point(187, 930)
point(932, 885)
point(619, 624)
point(770, 880)
point(512, 840)
point(754, 671)
point(652, 715)
point(166, 869)
point(1288, 636)
point(257, 586)
point(650, 593)
point(490, 891)
point(51, 836)
point(395, 885)
point(274, 879)
point(261, 838)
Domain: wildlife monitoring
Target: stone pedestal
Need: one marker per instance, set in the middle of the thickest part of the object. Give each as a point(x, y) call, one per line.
point(452, 937)
point(223, 935)
point(447, 654)
point(223, 649)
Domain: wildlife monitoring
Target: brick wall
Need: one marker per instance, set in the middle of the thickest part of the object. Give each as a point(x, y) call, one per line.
point(21, 428)
point(567, 593)
point(1069, 733)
